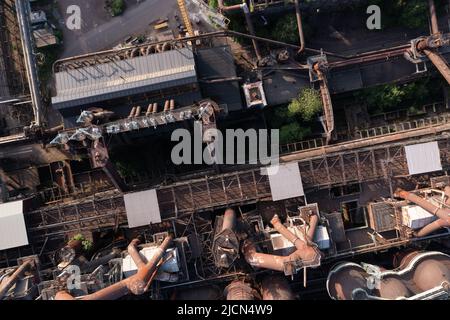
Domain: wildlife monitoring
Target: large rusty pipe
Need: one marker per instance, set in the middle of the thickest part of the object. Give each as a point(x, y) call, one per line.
point(229, 219)
point(296, 241)
point(313, 222)
point(432, 227)
point(251, 29)
point(447, 194)
point(439, 62)
point(135, 284)
point(442, 213)
point(12, 279)
point(433, 17)
point(134, 253)
point(222, 7)
point(248, 20)
point(299, 26)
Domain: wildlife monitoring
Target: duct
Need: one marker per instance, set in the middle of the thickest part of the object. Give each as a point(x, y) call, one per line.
point(433, 17)
point(138, 111)
point(275, 287)
point(131, 115)
point(226, 243)
point(439, 62)
point(442, 213)
point(313, 222)
point(136, 284)
point(421, 276)
point(239, 290)
point(12, 279)
point(149, 110)
point(300, 27)
point(305, 256)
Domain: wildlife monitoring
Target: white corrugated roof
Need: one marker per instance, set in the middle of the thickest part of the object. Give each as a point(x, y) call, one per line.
point(285, 181)
point(423, 157)
point(142, 208)
point(13, 232)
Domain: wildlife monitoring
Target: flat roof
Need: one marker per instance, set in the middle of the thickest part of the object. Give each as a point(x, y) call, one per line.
point(118, 79)
point(13, 232)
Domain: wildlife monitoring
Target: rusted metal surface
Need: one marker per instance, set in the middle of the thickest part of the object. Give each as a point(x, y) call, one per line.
point(421, 276)
point(442, 213)
point(239, 290)
point(12, 279)
point(439, 62)
point(433, 17)
point(305, 255)
point(276, 287)
point(137, 284)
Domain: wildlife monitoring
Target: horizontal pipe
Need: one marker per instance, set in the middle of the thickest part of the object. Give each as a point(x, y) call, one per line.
point(442, 213)
point(12, 279)
point(136, 284)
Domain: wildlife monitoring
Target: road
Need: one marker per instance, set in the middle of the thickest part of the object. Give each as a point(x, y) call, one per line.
point(100, 32)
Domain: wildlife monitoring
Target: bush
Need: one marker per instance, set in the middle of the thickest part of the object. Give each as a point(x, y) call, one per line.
point(117, 7)
point(293, 132)
point(307, 104)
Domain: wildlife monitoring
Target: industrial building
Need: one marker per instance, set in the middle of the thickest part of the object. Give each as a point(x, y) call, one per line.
point(378, 197)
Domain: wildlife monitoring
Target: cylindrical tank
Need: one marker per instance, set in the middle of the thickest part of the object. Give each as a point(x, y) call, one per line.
point(393, 288)
point(239, 290)
point(276, 287)
point(430, 273)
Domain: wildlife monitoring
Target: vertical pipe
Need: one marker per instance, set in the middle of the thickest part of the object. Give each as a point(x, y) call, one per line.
point(433, 17)
point(166, 106)
point(131, 115)
point(138, 111)
point(299, 26)
point(23, 16)
point(172, 105)
point(229, 219)
point(149, 109)
point(251, 29)
point(155, 107)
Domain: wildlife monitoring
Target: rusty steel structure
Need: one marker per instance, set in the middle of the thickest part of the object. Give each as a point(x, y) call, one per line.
point(421, 276)
point(137, 284)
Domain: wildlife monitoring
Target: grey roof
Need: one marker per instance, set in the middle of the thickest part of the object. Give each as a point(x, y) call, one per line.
point(13, 232)
point(122, 78)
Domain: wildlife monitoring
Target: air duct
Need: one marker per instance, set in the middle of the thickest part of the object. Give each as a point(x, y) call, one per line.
point(137, 284)
point(442, 213)
point(421, 276)
point(306, 255)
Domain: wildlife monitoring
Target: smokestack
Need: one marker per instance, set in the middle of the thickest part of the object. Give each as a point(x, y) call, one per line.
point(149, 109)
point(155, 107)
point(172, 105)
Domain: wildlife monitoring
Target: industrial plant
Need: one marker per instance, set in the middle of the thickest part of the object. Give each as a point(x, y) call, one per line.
point(352, 98)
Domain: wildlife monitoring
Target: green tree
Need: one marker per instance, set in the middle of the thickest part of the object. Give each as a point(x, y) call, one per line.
point(285, 29)
point(293, 132)
point(117, 7)
point(307, 104)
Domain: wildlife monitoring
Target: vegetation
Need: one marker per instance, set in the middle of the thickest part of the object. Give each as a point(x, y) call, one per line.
point(296, 119)
point(407, 13)
point(86, 244)
point(307, 104)
point(116, 7)
point(213, 4)
point(392, 96)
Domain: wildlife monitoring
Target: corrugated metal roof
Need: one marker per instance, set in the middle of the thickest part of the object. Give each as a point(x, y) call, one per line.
point(423, 157)
point(13, 232)
point(121, 78)
point(285, 181)
point(142, 208)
